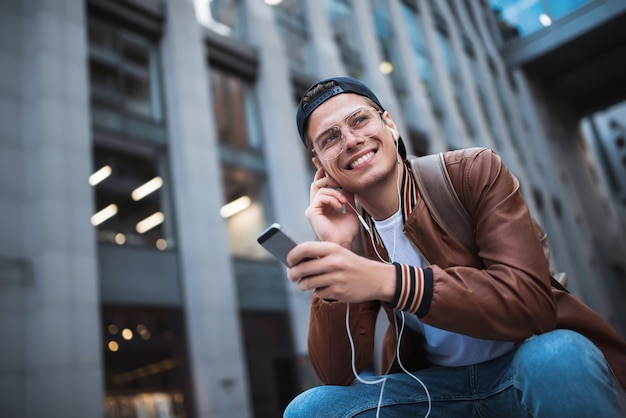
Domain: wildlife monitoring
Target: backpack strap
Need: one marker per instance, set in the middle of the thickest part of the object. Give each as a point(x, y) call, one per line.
point(446, 209)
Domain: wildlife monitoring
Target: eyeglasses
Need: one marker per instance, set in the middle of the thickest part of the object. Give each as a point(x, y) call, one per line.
point(363, 122)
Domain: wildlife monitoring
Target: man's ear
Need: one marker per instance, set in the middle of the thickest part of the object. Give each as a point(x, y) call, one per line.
point(316, 162)
point(389, 121)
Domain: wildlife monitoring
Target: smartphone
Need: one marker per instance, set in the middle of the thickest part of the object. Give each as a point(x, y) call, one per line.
point(276, 242)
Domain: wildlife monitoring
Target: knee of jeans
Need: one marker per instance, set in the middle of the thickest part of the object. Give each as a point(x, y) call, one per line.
point(305, 403)
point(560, 353)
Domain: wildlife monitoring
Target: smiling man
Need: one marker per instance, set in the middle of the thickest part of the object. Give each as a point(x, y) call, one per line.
point(472, 332)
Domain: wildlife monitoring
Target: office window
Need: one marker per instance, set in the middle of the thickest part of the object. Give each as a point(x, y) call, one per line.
point(123, 70)
point(523, 18)
point(222, 16)
point(130, 176)
point(422, 58)
point(293, 28)
point(236, 113)
point(130, 207)
point(243, 165)
point(507, 113)
point(146, 372)
point(460, 93)
point(485, 105)
point(390, 64)
point(560, 8)
point(247, 211)
point(341, 16)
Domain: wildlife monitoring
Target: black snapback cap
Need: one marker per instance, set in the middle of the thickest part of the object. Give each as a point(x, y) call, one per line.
point(343, 85)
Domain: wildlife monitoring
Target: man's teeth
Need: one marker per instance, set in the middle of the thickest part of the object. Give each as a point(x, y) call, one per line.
point(361, 160)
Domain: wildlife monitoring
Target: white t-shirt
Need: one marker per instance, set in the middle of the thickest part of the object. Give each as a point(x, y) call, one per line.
point(444, 348)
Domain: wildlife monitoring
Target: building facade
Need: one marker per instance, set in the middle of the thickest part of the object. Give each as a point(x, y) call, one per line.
point(146, 144)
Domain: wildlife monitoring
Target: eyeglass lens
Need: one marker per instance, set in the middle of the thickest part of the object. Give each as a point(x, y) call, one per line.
point(364, 122)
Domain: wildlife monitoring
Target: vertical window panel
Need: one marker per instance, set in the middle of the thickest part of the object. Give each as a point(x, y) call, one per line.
point(243, 165)
point(460, 93)
point(341, 17)
point(293, 27)
point(247, 210)
point(222, 16)
point(124, 71)
point(389, 50)
point(129, 176)
point(131, 205)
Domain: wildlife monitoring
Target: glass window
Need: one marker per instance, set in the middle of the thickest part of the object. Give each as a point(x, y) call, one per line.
point(507, 113)
point(560, 8)
point(485, 106)
point(129, 174)
point(389, 50)
point(269, 345)
point(293, 28)
point(517, 18)
point(235, 105)
point(243, 165)
point(124, 70)
point(245, 199)
point(422, 57)
point(222, 16)
point(460, 94)
point(341, 18)
point(146, 363)
point(130, 199)
point(246, 210)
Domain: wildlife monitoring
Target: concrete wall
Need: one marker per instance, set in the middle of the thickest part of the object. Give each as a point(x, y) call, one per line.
point(50, 361)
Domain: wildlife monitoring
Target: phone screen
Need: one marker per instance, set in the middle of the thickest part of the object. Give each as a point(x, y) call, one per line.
point(276, 242)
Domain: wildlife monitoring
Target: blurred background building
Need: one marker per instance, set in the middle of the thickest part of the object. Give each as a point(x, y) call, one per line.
point(144, 144)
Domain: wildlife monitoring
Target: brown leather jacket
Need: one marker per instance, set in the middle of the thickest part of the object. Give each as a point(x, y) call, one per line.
point(500, 292)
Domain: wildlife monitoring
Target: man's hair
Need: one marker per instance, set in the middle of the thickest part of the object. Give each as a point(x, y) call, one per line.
point(312, 94)
point(316, 91)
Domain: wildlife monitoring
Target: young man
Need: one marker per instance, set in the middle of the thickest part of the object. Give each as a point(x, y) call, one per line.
point(472, 332)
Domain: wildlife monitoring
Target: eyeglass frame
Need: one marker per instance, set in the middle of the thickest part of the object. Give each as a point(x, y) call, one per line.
point(343, 138)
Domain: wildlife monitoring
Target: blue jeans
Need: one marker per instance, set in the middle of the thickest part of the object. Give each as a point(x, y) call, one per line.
point(557, 374)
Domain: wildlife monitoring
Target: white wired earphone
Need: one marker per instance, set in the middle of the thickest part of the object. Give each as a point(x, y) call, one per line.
point(383, 379)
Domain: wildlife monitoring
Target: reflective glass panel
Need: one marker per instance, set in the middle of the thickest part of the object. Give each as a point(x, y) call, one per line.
point(129, 194)
point(341, 18)
point(145, 354)
point(124, 70)
point(521, 18)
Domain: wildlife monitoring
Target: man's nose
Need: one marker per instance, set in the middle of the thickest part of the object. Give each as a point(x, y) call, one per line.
point(350, 138)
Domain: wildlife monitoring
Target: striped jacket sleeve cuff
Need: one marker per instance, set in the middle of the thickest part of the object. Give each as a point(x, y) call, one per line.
point(414, 289)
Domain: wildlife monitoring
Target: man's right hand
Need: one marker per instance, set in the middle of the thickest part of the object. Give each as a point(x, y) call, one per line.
point(330, 211)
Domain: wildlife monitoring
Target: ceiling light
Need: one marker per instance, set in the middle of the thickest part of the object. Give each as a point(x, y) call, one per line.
point(150, 222)
point(100, 175)
point(120, 239)
point(234, 207)
point(161, 244)
point(545, 19)
point(385, 67)
point(127, 334)
point(147, 188)
point(104, 214)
